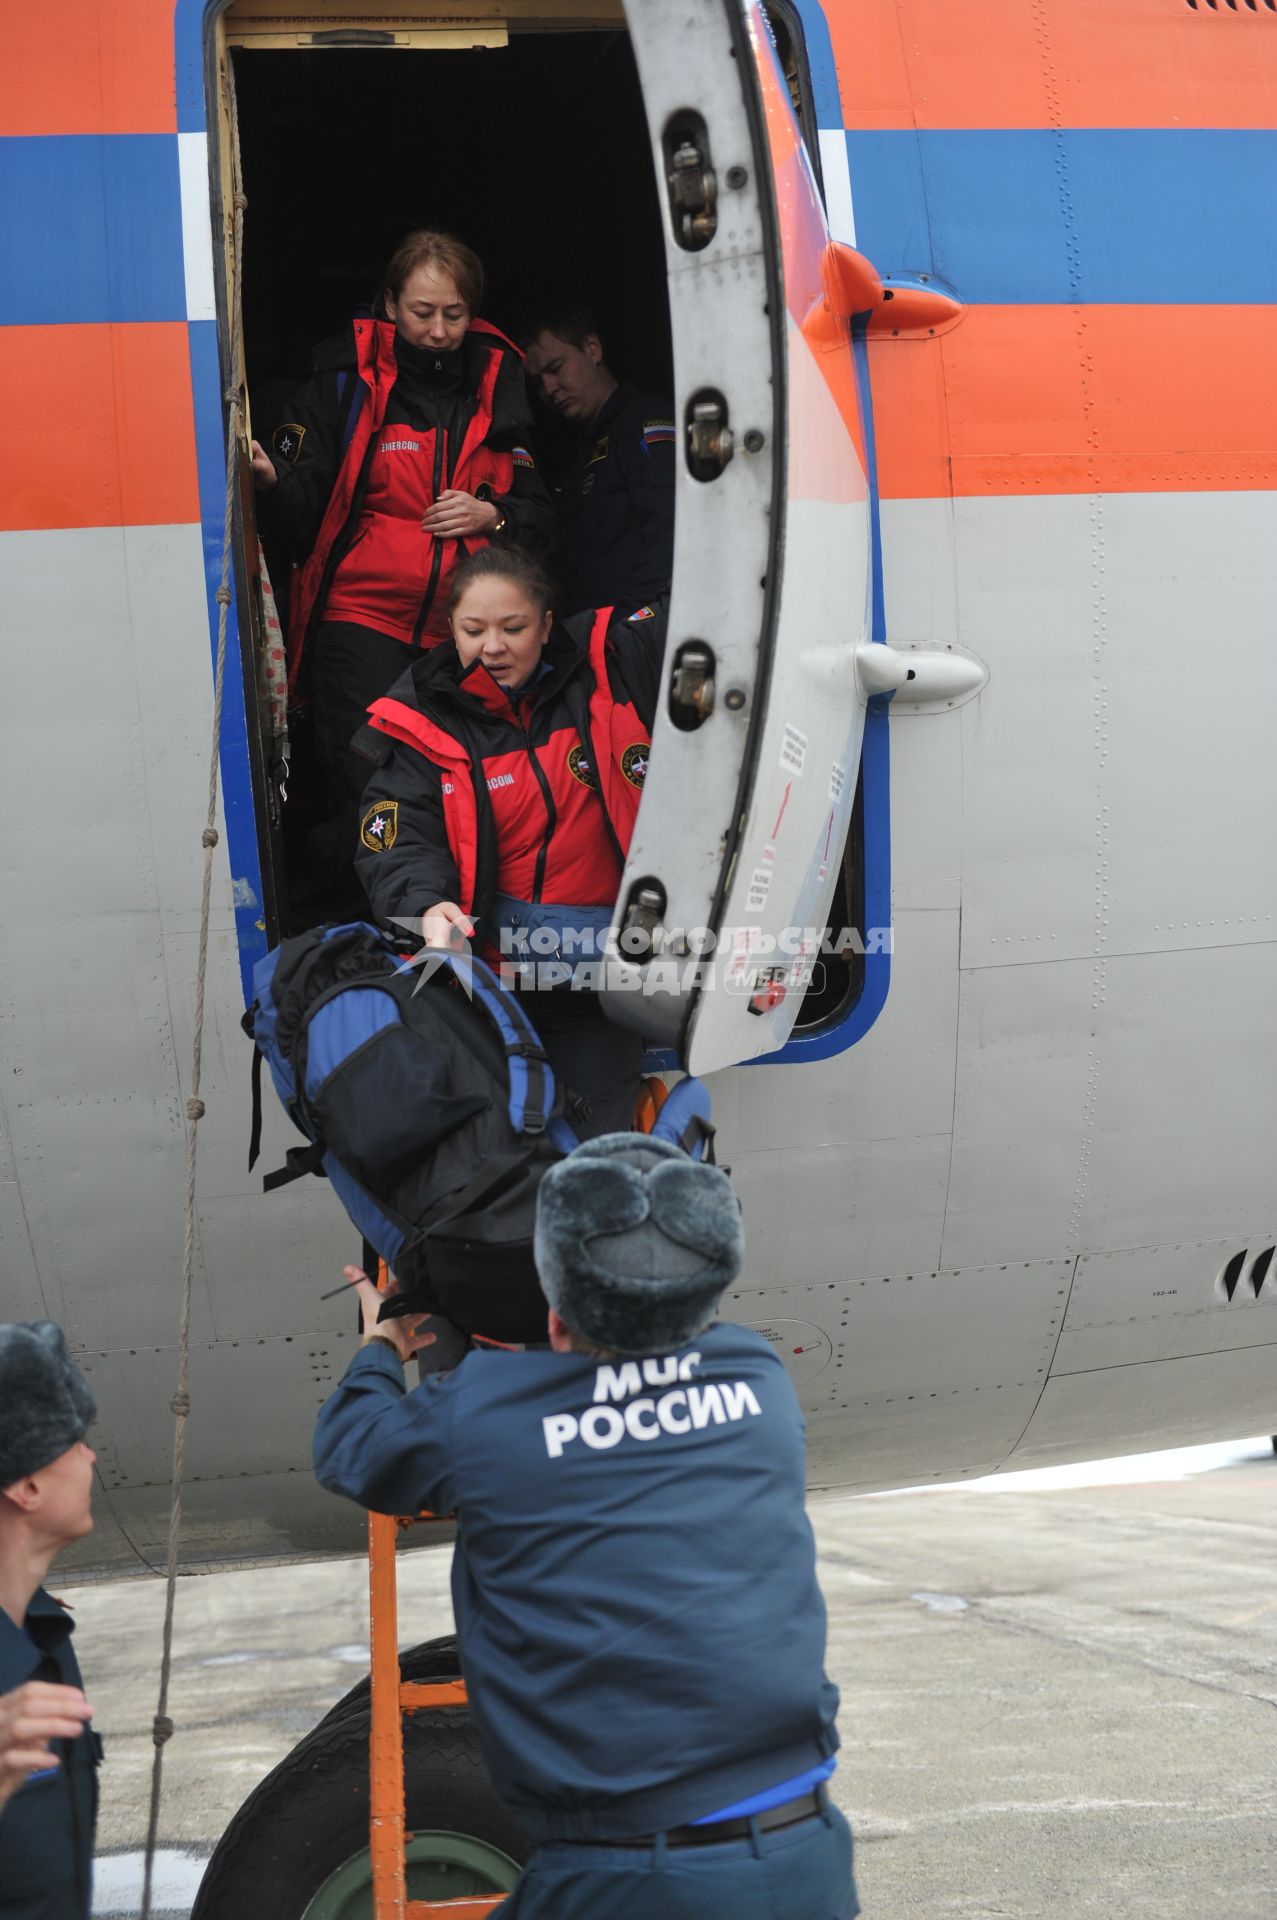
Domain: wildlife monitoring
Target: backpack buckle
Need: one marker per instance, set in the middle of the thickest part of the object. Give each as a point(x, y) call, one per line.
point(528, 1050)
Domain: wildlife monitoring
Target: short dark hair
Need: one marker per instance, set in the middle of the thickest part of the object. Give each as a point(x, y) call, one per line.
point(425, 248)
point(503, 563)
point(574, 324)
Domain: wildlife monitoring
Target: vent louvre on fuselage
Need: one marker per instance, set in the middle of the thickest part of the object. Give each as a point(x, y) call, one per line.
point(1232, 1273)
point(1231, 6)
point(1229, 1281)
point(1260, 1268)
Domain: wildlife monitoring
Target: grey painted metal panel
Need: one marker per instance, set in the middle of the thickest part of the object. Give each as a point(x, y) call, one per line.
point(253, 1407)
point(20, 1295)
point(86, 1011)
point(846, 1212)
point(1148, 1303)
point(920, 571)
point(876, 1328)
point(1019, 1113)
point(282, 1516)
point(1116, 790)
point(1109, 1112)
point(919, 1364)
point(1131, 1409)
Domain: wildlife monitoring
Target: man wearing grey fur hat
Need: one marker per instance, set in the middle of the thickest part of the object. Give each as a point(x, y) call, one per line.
point(48, 1751)
point(634, 1581)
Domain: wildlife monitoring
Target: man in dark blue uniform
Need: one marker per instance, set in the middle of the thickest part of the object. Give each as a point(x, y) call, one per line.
point(634, 1583)
point(615, 498)
point(48, 1751)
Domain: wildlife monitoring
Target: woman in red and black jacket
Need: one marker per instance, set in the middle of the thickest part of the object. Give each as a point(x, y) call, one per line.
point(412, 451)
point(510, 768)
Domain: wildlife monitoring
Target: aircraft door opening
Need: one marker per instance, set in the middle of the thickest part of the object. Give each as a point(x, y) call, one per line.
point(524, 134)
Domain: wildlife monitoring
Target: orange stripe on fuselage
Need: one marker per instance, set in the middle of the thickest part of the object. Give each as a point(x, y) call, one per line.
point(1019, 400)
point(97, 427)
point(87, 66)
point(1068, 63)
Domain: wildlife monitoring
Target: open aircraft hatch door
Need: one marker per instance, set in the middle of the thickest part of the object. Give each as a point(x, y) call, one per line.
point(757, 742)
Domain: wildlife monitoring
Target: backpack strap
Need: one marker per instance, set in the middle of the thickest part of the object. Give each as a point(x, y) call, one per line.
point(255, 1131)
point(532, 1089)
point(298, 1162)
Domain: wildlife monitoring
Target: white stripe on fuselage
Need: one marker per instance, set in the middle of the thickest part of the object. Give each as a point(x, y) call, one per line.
point(197, 228)
point(839, 208)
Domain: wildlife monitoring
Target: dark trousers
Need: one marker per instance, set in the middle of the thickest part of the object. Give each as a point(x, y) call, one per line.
point(350, 667)
point(593, 1059)
point(803, 1872)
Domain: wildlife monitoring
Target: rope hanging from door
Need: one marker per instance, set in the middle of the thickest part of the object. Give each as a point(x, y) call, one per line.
point(162, 1726)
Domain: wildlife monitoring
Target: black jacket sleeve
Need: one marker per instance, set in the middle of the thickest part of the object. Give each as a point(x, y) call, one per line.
point(403, 859)
point(648, 471)
point(636, 655)
point(306, 452)
point(528, 508)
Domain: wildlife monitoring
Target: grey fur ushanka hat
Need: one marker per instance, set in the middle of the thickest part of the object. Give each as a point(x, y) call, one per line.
point(635, 1242)
point(45, 1403)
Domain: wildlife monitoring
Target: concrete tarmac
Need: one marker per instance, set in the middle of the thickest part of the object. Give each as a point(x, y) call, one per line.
point(1057, 1699)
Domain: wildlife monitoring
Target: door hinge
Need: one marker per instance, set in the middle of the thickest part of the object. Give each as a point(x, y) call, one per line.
point(692, 182)
point(710, 441)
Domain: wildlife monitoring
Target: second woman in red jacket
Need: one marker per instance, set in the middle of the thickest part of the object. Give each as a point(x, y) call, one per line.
point(510, 766)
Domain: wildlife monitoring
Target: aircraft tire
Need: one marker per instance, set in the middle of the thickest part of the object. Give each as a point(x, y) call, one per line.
point(432, 1660)
point(298, 1847)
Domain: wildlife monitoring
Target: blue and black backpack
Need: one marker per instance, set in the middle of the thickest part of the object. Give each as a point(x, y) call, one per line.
point(429, 1104)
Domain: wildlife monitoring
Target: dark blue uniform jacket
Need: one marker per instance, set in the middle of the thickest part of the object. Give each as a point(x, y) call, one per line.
point(634, 1581)
point(46, 1829)
point(615, 504)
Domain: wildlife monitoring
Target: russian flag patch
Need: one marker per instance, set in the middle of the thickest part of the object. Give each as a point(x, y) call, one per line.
point(521, 457)
point(657, 433)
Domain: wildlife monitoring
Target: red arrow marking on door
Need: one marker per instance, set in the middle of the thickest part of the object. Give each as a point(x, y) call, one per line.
point(781, 815)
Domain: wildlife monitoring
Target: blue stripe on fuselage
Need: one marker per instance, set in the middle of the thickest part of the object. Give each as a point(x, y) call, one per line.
point(92, 230)
point(1093, 215)
point(238, 803)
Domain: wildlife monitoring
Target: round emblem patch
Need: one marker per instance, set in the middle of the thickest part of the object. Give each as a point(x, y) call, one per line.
point(634, 762)
point(579, 767)
point(379, 828)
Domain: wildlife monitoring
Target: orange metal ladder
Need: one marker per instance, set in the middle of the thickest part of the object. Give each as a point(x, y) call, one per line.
point(392, 1697)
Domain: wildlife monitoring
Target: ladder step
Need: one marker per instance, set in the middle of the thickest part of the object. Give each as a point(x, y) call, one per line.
point(414, 1695)
point(475, 1908)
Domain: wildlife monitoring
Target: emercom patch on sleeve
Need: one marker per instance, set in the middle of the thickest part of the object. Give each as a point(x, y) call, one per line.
point(286, 442)
point(379, 828)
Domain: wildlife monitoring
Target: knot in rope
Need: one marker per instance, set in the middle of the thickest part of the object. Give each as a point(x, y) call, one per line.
point(209, 837)
point(239, 201)
point(195, 1108)
point(223, 596)
point(161, 1729)
point(180, 1404)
